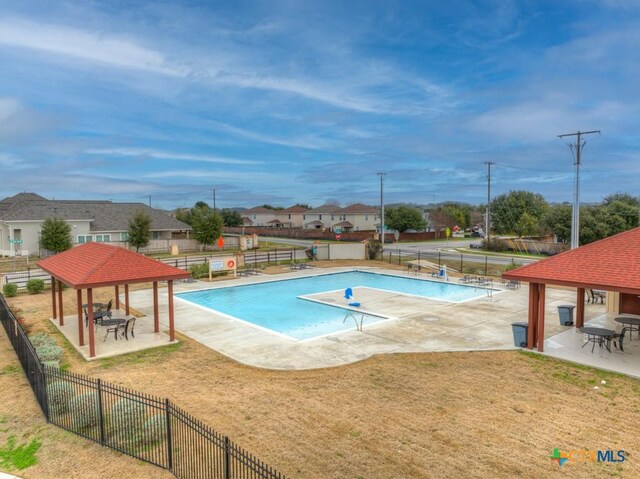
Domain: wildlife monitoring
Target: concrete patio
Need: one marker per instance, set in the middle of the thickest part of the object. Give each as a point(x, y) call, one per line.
point(419, 325)
point(568, 345)
point(145, 338)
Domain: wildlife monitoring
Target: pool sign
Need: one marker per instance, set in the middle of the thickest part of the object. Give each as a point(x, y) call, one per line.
point(223, 264)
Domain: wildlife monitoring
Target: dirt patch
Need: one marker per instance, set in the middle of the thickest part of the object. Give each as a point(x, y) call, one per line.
point(471, 415)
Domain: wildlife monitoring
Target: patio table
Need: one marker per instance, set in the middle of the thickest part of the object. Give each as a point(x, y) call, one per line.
point(599, 336)
point(632, 324)
point(113, 322)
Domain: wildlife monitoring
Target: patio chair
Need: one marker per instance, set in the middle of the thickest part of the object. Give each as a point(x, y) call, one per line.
point(618, 339)
point(113, 326)
point(129, 328)
point(590, 296)
point(598, 295)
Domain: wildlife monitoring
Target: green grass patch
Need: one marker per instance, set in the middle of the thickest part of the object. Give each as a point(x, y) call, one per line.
point(140, 357)
point(18, 457)
point(10, 369)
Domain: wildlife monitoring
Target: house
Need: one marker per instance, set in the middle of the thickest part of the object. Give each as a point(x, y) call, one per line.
point(320, 218)
point(259, 217)
point(292, 217)
point(22, 215)
point(357, 217)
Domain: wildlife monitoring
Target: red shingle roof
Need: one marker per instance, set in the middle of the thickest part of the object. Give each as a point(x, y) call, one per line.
point(611, 264)
point(95, 264)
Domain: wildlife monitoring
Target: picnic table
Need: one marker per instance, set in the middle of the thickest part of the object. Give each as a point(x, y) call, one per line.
point(599, 336)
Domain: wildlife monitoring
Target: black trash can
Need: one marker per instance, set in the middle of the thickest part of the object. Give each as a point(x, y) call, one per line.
point(565, 312)
point(520, 331)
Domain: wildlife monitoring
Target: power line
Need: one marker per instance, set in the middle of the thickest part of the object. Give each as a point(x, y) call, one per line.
point(575, 220)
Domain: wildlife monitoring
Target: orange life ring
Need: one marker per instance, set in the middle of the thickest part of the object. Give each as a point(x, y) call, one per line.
point(231, 263)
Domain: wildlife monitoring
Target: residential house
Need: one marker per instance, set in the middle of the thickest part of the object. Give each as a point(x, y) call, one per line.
point(22, 215)
point(357, 217)
point(320, 218)
point(259, 217)
point(292, 217)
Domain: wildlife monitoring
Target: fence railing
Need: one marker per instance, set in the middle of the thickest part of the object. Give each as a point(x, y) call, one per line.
point(146, 427)
point(488, 265)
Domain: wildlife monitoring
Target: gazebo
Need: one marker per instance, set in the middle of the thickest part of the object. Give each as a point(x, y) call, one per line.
point(97, 265)
point(611, 264)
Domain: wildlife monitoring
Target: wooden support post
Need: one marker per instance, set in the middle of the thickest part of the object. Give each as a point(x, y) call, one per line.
point(172, 332)
point(126, 299)
point(156, 317)
point(92, 336)
point(117, 297)
point(533, 317)
point(541, 302)
point(80, 318)
point(580, 308)
point(53, 298)
point(60, 306)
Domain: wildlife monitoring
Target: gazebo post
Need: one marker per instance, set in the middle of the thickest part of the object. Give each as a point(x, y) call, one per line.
point(156, 318)
point(80, 328)
point(126, 299)
point(533, 315)
point(580, 308)
point(92, 339)
point(541, 289)
point(60, 307)
point(117, 293)
point(53, 298)
point(172, 332)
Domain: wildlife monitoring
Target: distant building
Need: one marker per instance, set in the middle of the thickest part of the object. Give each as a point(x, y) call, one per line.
point(22, 215)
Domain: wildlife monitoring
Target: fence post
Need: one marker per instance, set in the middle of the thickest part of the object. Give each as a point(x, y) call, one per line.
point(485, 264)
point(167, 407)
point(418, 257)
point(439, 261)
point(398, 257)
point(100, 412)
point(227, 465)
point(268, 257)
point(461, 263)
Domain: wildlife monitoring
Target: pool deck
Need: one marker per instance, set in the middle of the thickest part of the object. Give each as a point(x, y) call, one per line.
point(420, 324)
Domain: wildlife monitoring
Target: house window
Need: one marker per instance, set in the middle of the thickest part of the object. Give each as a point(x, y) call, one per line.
point(103, 238)
point(155, 235)
point(254, 217)
point(332, 218)
point(85, 238)
point(124, 236)
point(319, 217)
point(289, 216)
point(304, 217)
point(366, 217)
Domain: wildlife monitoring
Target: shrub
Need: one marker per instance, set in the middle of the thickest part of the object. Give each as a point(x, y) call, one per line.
point(128, 419)
point(85, 410)
point(35, 286)
point(42, 339)
point(495, 244)
point(10, 290)
point(59, 396)
point(374, 249)
point(155, 428)
point(512, 266)
point(199, 270)
point(51, 364)
point(49, 352)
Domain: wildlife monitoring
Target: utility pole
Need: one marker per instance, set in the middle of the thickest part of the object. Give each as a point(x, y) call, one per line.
point(213, 191)
point(575, 219)
point(488, 217)
point(381, 175)
point(149, 201)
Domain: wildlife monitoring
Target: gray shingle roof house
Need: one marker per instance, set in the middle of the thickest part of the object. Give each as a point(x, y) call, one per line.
point(21, 218)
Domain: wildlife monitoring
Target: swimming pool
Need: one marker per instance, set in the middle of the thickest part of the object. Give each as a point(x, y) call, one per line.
point(277, 306)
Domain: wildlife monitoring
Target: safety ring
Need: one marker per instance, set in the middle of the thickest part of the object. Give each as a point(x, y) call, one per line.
point(231, 263)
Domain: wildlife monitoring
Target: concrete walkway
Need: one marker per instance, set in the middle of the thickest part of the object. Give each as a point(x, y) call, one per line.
point(420, 325)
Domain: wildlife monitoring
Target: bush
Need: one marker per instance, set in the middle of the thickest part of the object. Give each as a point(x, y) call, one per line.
point(128, 418)
point(374, 249)
point(156, 428)
point(35, 286)
point(49, 352)
point(495, 244)
point(199, 270)
point(10, 290)
point(42, 339)
point(59, 396)
point(85, 410)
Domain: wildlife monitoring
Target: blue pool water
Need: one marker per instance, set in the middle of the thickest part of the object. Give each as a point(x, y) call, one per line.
point(275, 304)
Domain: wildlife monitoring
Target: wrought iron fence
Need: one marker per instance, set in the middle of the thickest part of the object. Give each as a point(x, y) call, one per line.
point(146, 427)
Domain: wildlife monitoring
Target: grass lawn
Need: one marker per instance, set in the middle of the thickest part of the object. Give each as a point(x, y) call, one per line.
point(467, 415)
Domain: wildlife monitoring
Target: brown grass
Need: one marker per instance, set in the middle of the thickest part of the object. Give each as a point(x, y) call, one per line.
point(471, 415)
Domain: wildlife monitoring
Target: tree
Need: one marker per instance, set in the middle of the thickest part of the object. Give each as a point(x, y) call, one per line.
point(303, 205)
point(55, 235)
point(231, 217)
point(207, 225)
point(557, 220)
point(139, 230)
point(403, 218)
point(507, 209)
point(527, 225)
point(270, 207)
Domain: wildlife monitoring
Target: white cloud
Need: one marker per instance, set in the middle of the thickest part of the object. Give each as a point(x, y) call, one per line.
point(166, 155)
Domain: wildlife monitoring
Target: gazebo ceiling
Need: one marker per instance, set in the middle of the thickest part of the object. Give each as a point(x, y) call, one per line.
point(611, 264)
point(93, 265)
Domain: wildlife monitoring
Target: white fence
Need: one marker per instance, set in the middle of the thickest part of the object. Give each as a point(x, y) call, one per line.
point(330, 251)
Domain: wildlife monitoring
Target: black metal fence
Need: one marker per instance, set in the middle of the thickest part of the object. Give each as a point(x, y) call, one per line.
point(148, 428)
point(488, 265)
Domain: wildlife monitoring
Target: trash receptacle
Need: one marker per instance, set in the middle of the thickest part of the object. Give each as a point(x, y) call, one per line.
point(520, 331)
point(565, 312)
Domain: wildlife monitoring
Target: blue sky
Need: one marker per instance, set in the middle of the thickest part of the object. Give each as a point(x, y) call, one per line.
point(301, 101)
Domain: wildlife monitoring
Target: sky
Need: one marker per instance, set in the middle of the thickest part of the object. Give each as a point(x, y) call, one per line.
point(296, 101)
